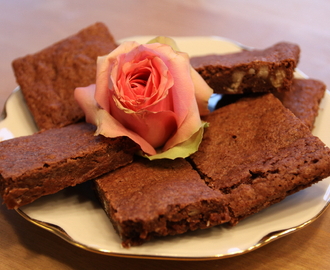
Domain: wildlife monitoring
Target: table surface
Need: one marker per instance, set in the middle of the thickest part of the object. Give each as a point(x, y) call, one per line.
point(29, 26)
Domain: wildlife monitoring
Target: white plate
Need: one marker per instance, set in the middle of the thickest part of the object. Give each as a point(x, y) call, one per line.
point(75, 214)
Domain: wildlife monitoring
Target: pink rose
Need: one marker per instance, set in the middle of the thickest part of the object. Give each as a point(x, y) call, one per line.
point(147, 93)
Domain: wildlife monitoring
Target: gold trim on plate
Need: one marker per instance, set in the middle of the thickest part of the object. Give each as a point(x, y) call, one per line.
point(57, 230)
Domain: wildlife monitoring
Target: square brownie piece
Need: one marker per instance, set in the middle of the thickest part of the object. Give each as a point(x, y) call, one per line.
point(257, 152)
point(48, 78)
point(304, 99)
point(251, 71)
point(150, 199)
point(49, 161)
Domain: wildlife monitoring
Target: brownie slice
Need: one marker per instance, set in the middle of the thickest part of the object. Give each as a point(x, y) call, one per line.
point(48, 78)
point(149, 199)
point(304, 99)
point(257, 152)
point(46, 162)
point(266, 70)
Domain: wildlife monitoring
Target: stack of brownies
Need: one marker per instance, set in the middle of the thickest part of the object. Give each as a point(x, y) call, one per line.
point(257, 150)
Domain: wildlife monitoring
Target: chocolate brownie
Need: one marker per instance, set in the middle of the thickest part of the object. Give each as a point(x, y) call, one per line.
point(46, 162)
point(265, 70)
point(304, 99)
point(48, 78)
point(150, 199)
point(257, 152)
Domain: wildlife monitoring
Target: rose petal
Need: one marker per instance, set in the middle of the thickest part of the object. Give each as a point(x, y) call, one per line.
point(106, 124)
point(111, 128)
point(188, 118)
point(182, 150)
point(202, 92)
point(85, 98)
point(155, 128)
point(103, 72)
point(144, 84)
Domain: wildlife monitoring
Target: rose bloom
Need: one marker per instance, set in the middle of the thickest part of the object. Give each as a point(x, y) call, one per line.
point(148, 93)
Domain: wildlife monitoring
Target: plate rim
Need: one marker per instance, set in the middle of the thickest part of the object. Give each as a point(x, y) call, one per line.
point(270, 237)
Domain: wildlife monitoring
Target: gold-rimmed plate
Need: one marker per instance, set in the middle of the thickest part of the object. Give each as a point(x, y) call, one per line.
point(75, 215)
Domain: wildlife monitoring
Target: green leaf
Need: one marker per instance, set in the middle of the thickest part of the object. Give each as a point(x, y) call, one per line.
point(182, 150)
point(165, 40)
